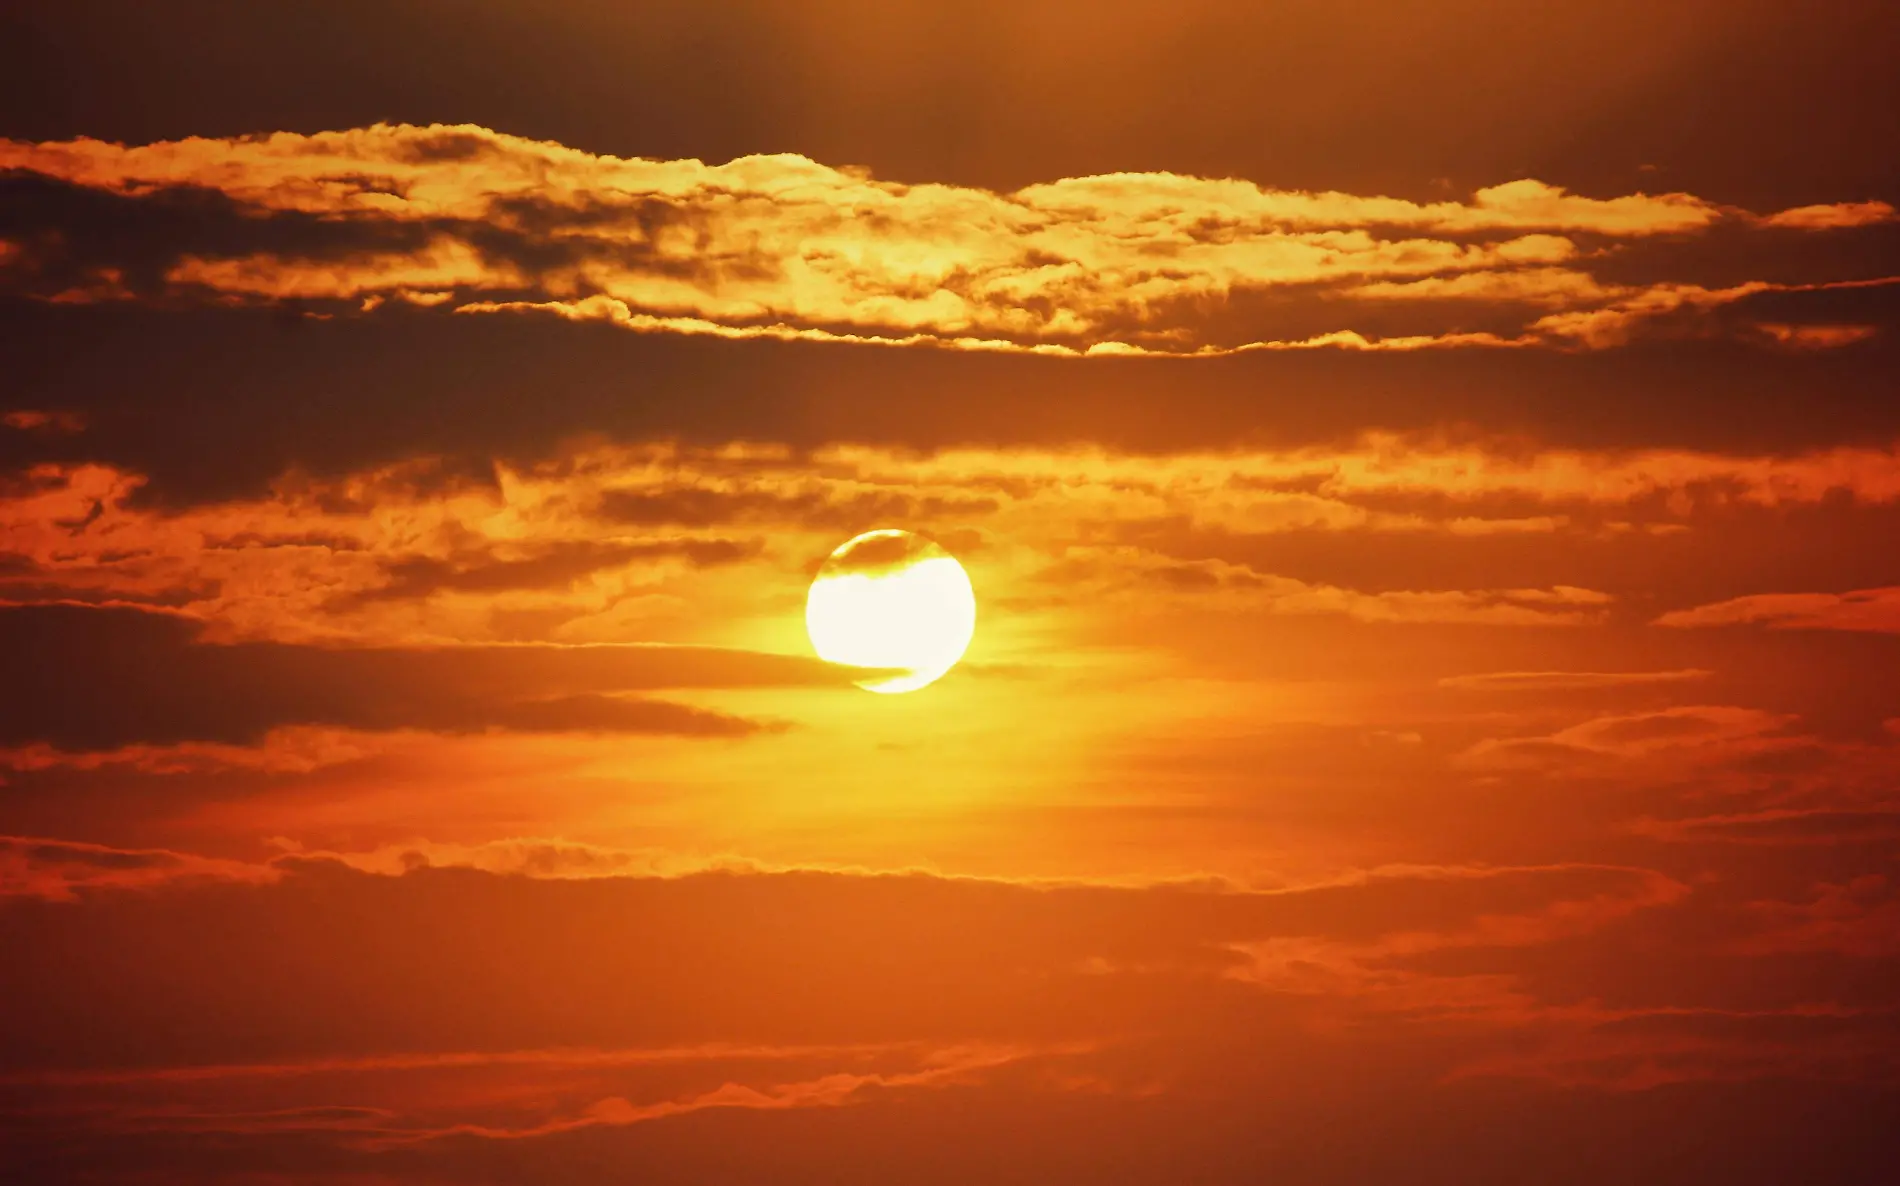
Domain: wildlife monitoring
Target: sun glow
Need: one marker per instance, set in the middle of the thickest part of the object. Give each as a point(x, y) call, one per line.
point(895, 600)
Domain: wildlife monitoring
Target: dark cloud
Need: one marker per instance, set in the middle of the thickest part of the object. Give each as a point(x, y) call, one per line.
point(1565, 681)
point(700, 507)
point(1829, 826)
point(216, 404)
point(90, 856)
point(53, 870)
point(1874, 309)
point(1736, 252)
point(94, 679)
point(71, 235)
point(552, 566)
point(75, 239)
point(1714, 548)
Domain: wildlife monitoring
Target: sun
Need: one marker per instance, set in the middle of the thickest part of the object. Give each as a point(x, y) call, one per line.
point(892, 599)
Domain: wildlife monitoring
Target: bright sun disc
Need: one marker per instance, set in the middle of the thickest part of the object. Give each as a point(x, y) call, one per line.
point(892, 599)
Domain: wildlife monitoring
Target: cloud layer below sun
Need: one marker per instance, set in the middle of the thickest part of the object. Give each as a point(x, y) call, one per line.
point(785, 247)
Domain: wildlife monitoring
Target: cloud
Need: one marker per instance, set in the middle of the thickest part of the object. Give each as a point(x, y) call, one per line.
point(555, 565)
point(290, 750)
point(525, 857)
point(1641, 1050)
point(1381, 973)
point(1536, 286)
point(1876, 610)
point(1133, 574)
point(57, 869)
point(1779, 826)
point(420, 1118)
point(1816, 337)
point(1545, 681)
point(1858, 918)
point(441, 1002)
point(101, 679)
point(1685, 735)
point(1831, 215)
point(1695, 309)
point(601, 542)
point(1385, 465)
point(560, 1058)
point(834, 1090)
point(33, 420)
point(637, 961)
point(412, 1015)
point(784, 247)
point(684, 503)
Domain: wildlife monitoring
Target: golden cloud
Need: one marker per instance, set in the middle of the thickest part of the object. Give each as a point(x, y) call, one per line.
point(1832, 215)
point(786, 247)
point(606, 542)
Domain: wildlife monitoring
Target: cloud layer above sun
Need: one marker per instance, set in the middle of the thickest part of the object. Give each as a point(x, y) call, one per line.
point(789, 248)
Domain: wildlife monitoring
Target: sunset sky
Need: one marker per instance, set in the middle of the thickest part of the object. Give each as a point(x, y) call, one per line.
point(1429, 475)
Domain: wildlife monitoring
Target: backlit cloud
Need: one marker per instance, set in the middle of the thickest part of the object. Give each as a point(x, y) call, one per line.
point(782, 246)
point(602, 543)
point(1861, 609)
point(1564, 681)
point(58, 869)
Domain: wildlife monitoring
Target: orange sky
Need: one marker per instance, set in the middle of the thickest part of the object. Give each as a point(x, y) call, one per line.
point(1429, 476)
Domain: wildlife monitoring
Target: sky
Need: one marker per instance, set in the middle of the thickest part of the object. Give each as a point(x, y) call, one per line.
point(1428, 475)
